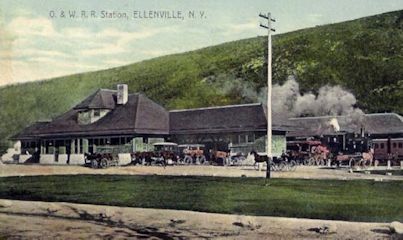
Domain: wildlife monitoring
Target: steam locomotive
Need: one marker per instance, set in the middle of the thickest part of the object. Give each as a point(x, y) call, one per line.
point(352, 145)
point(346, 146)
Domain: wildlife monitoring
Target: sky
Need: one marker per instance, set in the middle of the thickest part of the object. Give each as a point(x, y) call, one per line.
point(37, 42)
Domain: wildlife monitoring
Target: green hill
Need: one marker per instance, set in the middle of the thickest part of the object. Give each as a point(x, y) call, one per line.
point(364, 56)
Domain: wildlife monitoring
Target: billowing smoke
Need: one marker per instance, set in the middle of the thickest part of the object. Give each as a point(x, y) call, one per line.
point(288, 101)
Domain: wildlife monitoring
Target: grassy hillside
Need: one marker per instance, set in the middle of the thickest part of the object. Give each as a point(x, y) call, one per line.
point(364, 55)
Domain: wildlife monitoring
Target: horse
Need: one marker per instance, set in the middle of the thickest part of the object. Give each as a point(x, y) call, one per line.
point(367, 157)
point(88, 157)
point(169, 157)
point(258, 158)
point(142, 158)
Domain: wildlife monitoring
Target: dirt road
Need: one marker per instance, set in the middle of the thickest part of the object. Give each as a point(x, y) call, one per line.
point(304, 172)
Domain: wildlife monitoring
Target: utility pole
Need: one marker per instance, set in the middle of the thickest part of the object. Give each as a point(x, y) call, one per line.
point(269, 88)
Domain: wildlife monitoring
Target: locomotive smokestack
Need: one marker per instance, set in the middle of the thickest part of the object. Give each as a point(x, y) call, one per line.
point(335, 124)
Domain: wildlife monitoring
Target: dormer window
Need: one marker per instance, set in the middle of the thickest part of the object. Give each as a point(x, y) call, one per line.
point(91, 115)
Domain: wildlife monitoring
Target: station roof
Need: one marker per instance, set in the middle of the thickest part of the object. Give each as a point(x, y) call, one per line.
point(221, 119)
point(139, 115)
point(142, 116)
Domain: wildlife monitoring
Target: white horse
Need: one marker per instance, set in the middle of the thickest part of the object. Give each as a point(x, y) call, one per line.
point(367, 158)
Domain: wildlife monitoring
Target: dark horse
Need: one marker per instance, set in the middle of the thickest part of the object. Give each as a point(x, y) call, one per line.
point(88, 157)
point(259, 158)
point(149, 158)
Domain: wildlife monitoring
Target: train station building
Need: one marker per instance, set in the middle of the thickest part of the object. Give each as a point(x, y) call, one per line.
point(126, 123)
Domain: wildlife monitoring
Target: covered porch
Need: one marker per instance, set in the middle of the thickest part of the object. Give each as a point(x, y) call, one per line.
point(72, 150)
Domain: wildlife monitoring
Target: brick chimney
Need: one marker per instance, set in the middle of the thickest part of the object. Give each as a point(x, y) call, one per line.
point(123, 94)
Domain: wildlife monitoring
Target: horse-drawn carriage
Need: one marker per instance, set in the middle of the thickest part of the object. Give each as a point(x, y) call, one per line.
point(103, 158)
point(358, 159)
point(282, 163)
point(237, 158)
point(314, 152)
point(309, 152)
point(218, 157)
point(164, 153)
point(192, 154)
point(167, 153)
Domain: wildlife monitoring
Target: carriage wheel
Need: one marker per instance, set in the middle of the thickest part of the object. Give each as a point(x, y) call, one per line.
point(282, 166)
point(311, 161)
point(287, 166)
point(367, 163)
point(320, 162)
point(364, 164)
point(203, 160)
point(103, 163)
point(237, 161)
point(134, 161)
point(181, 161)
point(241, 160)
point(233, 161)
point(197, 160)
point(94, 163)
point(273, 167)
point(352, 163)
point(188, 159)
point(292, 165)
point(161, 162)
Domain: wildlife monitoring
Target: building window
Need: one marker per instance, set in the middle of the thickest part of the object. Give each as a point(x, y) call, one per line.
point(114, 141)
point(49, 147)
point(97, 113)
point(234, 139)
point(251, 137)
point(376, 146)
point(382, 145)
point(242, 138)
point(124, 140)
point(394, 145)
point(400, 145)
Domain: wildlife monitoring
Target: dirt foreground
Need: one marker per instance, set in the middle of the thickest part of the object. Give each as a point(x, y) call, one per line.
point(43, 220)
point(303, 172)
